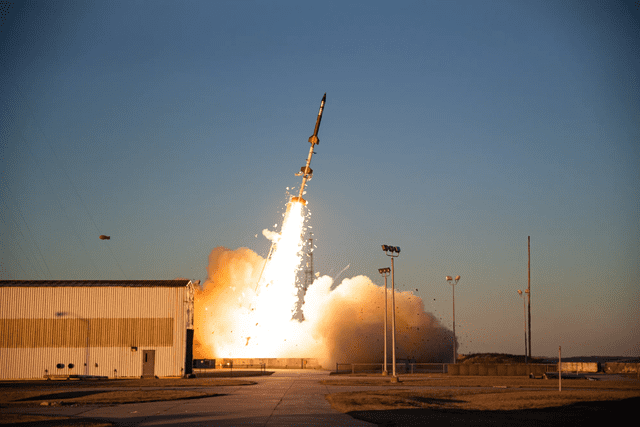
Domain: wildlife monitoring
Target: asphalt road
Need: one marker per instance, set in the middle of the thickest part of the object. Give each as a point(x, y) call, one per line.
point(286, 398)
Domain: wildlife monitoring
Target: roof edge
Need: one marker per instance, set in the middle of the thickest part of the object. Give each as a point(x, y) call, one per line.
point(94, 283)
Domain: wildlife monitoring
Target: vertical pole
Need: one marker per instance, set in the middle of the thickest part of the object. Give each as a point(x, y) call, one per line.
point(560, 368)
point(529, 288)
point(385, 371)
point(393, 321)
point(86, 369)
point(455, 355)
point(524, 313)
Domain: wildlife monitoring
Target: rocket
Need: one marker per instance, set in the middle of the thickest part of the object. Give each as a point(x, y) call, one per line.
point(306, 172)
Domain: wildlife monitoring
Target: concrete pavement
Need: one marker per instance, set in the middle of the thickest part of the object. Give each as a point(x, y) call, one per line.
point(286, 398)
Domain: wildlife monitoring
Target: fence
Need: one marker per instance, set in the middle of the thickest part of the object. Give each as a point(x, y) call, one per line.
point(402, 368)
point(463, 369)
point(500, 369)
point(229, 366)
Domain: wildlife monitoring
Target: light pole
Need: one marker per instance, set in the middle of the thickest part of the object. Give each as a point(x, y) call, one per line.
point(64, 314)
point(524, 311)
point(453, 283)
point(390, 251)
point(385, 273)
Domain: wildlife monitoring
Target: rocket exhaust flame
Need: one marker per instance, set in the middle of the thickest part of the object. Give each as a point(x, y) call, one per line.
point(341, 323)
point(245, 307)
point(306, 172)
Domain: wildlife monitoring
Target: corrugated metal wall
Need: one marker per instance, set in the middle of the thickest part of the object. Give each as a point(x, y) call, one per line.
point(93, 330)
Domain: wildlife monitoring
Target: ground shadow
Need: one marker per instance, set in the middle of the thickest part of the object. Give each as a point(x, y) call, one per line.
point(60, 422)
point(434, 401)
point(63, 395)
point(233, 374)
point(577, 414)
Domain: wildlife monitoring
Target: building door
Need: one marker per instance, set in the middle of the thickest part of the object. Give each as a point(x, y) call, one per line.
point(148, 363)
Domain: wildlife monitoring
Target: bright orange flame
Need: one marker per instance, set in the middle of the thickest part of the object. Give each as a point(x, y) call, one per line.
point(236, 319)
point(266, 324)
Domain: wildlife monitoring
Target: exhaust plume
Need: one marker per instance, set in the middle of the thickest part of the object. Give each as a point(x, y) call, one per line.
point(342, 323)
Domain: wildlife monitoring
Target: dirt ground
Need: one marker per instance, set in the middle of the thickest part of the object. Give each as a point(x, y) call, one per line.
point(457, 401)
point(485, 400)
point(57, 393)
point(577, 414)
point(444, 380)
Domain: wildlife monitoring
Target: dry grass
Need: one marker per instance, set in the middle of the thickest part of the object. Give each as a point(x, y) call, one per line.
point(483, 400)
point(46, 421)
point(102, 397)
point(58, 393)
point(72, 392)
point(440, 380)
point(496, 394)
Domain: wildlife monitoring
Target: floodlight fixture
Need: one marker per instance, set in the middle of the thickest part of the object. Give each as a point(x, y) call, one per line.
point(391, 250)
point(451, 280)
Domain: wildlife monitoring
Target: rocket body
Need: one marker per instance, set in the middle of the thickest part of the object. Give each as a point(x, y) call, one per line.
point(306, 172)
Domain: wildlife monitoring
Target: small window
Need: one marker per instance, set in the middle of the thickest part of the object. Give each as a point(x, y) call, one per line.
point(60, 366)
point(71, 365)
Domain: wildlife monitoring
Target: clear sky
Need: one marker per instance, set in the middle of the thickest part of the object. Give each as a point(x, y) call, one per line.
point(451, 129)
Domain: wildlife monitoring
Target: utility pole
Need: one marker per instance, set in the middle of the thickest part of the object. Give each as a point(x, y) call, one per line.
point(529, 289)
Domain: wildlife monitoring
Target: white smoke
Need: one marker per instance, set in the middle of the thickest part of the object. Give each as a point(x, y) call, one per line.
point(343, 323)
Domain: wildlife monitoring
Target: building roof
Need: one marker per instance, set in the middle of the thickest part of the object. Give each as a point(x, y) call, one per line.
point(94, 283)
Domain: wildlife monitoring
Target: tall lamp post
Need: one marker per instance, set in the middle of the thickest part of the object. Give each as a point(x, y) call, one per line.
point(385, 273)
point(524, 311)
point(453, 283)
point(393, 252)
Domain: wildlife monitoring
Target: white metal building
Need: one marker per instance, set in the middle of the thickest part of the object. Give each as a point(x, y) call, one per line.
point(98, 328)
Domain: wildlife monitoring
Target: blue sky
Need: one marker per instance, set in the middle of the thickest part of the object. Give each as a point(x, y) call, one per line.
point(452, 129)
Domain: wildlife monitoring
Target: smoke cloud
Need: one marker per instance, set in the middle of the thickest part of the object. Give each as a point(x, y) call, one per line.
point(342, 323)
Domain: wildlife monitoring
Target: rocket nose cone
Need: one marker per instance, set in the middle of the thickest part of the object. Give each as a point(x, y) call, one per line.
point(324, 98)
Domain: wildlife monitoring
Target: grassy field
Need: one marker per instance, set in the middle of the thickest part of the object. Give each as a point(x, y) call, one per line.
point(483, 400)
point(443, 380)
point(472, 399)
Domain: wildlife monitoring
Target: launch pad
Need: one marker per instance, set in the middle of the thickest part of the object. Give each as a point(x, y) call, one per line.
point(262, 362)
